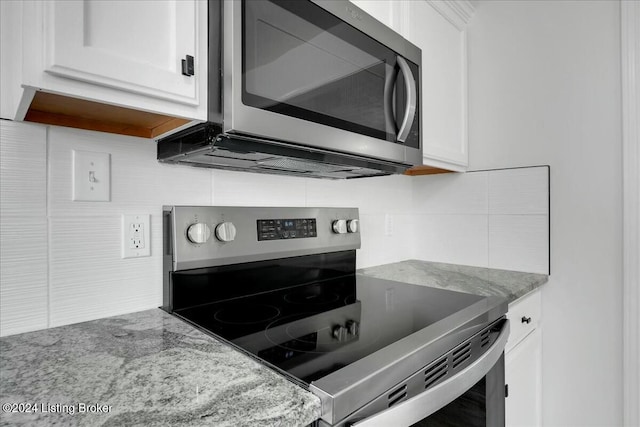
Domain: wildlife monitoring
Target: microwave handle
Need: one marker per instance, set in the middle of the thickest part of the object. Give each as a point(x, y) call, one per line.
point(389, 95)
point(410, 104)
point(428, 402)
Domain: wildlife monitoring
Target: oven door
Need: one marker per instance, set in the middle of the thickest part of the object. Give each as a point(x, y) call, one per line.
point(472, 398)
point(302, 71)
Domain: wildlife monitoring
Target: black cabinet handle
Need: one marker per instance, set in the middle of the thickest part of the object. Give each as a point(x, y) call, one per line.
point(526, 320)
point(187, 66)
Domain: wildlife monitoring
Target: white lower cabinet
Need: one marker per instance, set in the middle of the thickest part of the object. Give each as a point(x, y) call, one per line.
point(523, 363)
point(523, 371)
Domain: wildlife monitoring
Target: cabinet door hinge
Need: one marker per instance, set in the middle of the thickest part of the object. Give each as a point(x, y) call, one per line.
point(506, 390)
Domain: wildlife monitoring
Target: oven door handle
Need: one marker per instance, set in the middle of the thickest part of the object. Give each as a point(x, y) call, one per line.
point(428, 402)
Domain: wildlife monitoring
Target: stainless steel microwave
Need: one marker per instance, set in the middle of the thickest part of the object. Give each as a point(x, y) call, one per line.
point(305, 87)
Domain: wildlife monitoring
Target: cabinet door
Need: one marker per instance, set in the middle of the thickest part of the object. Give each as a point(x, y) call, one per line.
point(523, 366)
point(444, 82)
point(136, 46)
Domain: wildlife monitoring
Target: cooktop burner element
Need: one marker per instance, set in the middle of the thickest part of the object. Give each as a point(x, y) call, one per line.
point(296, 304)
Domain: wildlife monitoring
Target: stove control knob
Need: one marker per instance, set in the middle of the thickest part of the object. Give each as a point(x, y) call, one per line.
point(353, 327)
point(339, 332)
point(352, 226)
point(340, 226)
point(226, 232)
point(198, 233)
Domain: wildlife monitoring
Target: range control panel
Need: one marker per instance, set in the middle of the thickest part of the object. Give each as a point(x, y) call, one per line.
point(293, 228)
point(207, 236)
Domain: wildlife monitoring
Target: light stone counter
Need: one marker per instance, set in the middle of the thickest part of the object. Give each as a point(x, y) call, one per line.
point(149, 368)
point(145, 368)
point(474, 280)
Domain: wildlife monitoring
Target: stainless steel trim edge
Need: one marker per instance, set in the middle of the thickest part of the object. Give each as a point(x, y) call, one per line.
point(425, 404)
point(398, 361)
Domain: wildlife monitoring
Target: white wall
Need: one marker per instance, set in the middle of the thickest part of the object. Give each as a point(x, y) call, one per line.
point(544, 87)
point(60, 260)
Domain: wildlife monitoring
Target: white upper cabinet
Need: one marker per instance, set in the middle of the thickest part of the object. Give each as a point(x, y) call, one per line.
point(130, 45)
point(112, 66)
point(439, 29)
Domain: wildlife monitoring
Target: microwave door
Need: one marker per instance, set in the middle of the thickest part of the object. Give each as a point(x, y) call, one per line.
point(305, 73)
point(303, 62)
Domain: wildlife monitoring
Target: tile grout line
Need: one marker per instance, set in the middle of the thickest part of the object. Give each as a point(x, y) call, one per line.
point(488, 221)
point(48, 222)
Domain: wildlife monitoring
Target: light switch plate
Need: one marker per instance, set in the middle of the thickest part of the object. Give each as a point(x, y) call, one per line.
point(91, 176)
point(136, 236)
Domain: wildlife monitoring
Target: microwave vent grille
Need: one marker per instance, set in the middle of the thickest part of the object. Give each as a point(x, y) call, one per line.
point(294, 165)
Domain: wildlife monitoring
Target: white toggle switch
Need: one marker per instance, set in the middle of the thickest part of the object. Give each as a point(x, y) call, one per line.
point(91, 176)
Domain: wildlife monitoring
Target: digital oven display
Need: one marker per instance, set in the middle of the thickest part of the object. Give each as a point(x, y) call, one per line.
point(278, 229)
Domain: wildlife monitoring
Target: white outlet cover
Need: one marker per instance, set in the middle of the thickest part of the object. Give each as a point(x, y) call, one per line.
point(136, 227)
point(91, 176)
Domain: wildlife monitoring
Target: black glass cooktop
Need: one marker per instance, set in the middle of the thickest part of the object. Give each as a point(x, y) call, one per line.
point(311, 328)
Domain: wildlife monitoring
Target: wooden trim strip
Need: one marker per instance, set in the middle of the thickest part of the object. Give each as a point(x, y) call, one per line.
point(425, 170)
point(52, 109)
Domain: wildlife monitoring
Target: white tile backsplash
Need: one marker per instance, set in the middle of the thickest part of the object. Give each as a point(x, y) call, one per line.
point(61, 259)
point(23, 170)
point(23, 228)
point(519, 242)
point(253, 189)
point(455, 239)
point(377, 247)
point(87, 277)
point(519, 191)
point(388, 194)
point(451, 194)
point(23, 274)
point(509, 206)
point(139, 184)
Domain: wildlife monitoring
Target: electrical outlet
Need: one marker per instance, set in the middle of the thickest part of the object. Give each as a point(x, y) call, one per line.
point(136, 233)
point(91, 176)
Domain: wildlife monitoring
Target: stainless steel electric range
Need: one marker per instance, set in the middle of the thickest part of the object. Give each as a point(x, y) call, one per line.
point(280, 285)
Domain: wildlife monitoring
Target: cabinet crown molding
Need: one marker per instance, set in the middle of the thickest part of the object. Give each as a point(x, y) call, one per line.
point(458, 12)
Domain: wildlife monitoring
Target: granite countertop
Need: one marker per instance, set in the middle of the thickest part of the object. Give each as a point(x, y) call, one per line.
point(474, 280)
point(152, 368)
point(146, 368)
